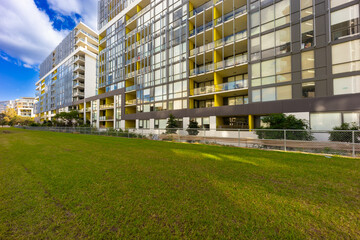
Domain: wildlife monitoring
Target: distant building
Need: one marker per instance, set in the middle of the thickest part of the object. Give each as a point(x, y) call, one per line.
point(3, 105)
point(24, 106)
point(68, 74)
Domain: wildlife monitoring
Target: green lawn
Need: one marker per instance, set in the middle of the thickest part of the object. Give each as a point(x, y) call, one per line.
point(70, 186)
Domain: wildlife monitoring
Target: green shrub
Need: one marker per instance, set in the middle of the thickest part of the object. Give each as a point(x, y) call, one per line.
point(281, 121)
point(338, 136)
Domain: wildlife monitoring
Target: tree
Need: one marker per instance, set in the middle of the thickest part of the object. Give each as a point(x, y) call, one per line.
point(193, 128)
point(281, 121)
point(10, 113)
point(68, 118)
point(172, 124)
point(2, 119)
point(346, 134)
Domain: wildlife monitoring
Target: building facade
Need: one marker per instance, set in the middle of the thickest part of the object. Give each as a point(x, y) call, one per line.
point(24, 106)
point(226, 63)
point(3, 105)
point(68, 74)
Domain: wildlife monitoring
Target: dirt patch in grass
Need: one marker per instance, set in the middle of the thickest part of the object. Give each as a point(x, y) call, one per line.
point(6, 132)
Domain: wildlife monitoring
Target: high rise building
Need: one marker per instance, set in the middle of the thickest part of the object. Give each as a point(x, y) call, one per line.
point(226, 63)
point(68, 74)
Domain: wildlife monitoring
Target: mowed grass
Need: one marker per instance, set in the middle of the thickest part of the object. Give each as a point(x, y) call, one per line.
point(69, 186)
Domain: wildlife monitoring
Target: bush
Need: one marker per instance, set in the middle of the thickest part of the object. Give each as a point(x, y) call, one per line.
point(281, 121)
point(339, 136)
point(193, 128)
point(172, 124)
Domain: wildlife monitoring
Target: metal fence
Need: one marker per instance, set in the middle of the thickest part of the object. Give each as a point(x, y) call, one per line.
point(337, 142)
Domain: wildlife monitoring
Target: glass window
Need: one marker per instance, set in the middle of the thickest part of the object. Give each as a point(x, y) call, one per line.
point(335, 3)
point(307, 65)
point(347, 85)
point(308, 90)
point(306, 8)
point(268, 41)
point(307, 34)
point(351, 118)
point(346, 57)
point(256, 97)
point(268, 94)
point(325, 121)
point(345, 22)
point(283, 92)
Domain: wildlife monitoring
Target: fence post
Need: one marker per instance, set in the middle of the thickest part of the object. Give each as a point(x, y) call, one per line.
point(204, 134)
point(238, 137)
point(285, 140)
point(353, 143)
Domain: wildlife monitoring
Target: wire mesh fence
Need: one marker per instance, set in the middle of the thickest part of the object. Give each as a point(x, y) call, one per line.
point(337, 142)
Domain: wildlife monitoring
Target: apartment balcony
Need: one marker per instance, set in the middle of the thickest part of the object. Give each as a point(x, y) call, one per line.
point(106, 118)
point(79, 59)
point(85, 34)
point(130, 88)
point(130, 75)
point(201, 28)
point(131, 19)
point(220, 88)
point(78, 94)
point(240, 59)
point(88, 109)
point(78, 76)
point(202, 69)
point(79, 85)
point(202, 8)
point(79, 68)
point(240, 36)
point(106, 106)
point(130, 102)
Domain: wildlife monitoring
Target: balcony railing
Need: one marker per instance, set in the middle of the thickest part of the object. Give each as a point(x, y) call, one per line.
point(201, 28)
point(78, 93)
point(130, 102)
point(203, 69)
point(240, 84)
point(138, 14)
point(87, 34)
point(106, 106)
point(130, 88)
point(237, 12)
point(79, 58)
point(232, 61)
point(104, 118)
point(78, 67)
point(201, 8)
point(78, 85)
point(204, 90)
point(88, 109)
point(75, 76)
point(228, 39)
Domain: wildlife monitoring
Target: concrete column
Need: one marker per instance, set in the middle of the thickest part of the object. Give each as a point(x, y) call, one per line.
point(137, 123)
point(122, 124)
point(98, 114)
point(212, 122)
point(186, 122)
point(152, 124)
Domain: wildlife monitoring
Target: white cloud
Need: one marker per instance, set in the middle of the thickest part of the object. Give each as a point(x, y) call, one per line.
point(26, 33)
point(87, 9)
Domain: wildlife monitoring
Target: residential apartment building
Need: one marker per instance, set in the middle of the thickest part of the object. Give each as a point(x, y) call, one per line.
point(24, 106)
point(226, 63)
point(68, 74)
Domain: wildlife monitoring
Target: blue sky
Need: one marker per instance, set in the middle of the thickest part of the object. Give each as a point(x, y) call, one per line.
point(29, 31)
